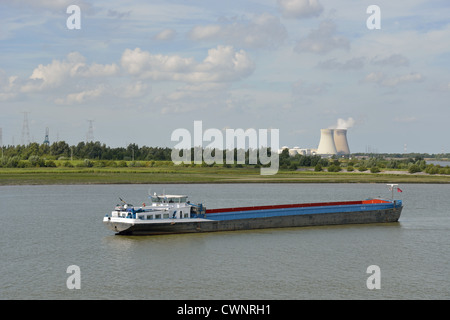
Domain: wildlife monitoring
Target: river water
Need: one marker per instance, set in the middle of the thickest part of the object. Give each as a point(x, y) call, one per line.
point(46, 229)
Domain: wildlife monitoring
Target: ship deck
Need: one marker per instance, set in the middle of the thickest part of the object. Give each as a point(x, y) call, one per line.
point(297, 205)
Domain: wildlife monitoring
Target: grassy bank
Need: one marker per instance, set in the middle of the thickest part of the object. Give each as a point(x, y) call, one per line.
point(178, 174)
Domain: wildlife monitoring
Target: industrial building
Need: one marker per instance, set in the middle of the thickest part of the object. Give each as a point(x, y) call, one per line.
point(332, 142)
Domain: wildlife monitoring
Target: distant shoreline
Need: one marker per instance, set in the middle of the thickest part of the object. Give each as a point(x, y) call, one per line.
point(212, 175)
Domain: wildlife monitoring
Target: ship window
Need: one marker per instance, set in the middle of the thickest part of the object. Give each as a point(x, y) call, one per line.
point(165, 216)
point(186, 215)
point(157, 199)
point(149, 217)
point(157, 216)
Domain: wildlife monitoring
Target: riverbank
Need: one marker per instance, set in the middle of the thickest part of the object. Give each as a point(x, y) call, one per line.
point(178, 174)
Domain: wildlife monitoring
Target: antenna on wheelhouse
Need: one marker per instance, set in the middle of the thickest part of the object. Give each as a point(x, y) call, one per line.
point(393, 186)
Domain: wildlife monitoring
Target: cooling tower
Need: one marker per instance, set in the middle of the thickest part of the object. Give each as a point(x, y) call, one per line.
point(326, 144)
point(340, 141)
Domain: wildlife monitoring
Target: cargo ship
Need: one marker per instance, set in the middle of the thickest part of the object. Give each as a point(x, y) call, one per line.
point(169, 214)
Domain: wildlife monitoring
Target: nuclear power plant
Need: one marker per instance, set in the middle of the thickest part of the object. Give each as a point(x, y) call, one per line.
point(333, 141)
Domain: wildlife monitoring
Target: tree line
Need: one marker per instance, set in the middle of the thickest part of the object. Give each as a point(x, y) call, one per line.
point(414, 163)
point(61, 150)
point(98, 154)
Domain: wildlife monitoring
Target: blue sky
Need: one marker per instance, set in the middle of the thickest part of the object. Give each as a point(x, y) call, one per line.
point(141, 69)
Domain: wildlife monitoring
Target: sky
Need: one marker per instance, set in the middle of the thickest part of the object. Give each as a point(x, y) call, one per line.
point(142, 69)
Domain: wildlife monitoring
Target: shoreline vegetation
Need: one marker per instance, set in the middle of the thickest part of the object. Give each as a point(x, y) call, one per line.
point(169, 174)
point(93, 163)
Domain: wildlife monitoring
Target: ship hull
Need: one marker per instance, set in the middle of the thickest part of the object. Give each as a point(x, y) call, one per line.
point(384, 215)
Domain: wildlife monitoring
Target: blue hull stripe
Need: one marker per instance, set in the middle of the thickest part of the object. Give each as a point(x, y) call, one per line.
point(299, 211)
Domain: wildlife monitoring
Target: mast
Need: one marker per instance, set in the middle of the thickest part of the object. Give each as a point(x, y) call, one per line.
point(392, 186)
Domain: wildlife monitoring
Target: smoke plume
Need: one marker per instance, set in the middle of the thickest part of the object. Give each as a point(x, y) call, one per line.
point(343, 124)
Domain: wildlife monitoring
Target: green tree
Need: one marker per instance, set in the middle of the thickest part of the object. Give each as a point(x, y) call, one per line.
point(334, 168)
point(374, 169)
point(284, 159)
point(293, 166)
point(36, 161)
point(413, 168)
point(60, 149)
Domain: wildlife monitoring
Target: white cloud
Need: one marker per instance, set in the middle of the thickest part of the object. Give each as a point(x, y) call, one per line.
point(8, 86)
point(51, 5)
point(166, 34)
point(157, 67)
point(351, 64)
point(322, 40)
point(261, 31)
point(134, 90)
point(300, 8)
point(117, 14)
point(97, 70)
point(82, 96)
point(222, 64)
point(375, 77)
point(402, 79)
point(394, 60)
point(73, 81)
point(393, 81)
point(205, 32)
point(58, 72)
point(55, 73)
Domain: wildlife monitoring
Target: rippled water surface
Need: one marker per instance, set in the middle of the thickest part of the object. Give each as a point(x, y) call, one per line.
point(45, 229)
